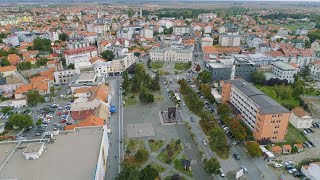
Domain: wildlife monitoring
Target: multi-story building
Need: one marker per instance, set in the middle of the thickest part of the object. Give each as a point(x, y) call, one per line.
point(147, 33)
point(206, 41)
point(124, 34)
point(253, 41)
point(65, 77)
point(263, 116)
point(181, 30)
point(79, 55)
point(229, 40)
point(183, 53)
point(283, 71)
point(315, 68)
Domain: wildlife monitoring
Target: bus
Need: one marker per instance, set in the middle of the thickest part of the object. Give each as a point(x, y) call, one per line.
point(177, 97)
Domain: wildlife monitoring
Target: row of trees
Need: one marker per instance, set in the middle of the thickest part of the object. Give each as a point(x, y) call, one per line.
point(190, 97)
point(204, 77)
point(132, 173)
point(206, 91)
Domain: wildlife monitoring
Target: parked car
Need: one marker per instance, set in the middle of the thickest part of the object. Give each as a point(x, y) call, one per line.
point(69, 123)
point(308, 145)
point(292, 170)
point(311, 143)
point(191, 119)
point(277, 165)
point(236, 156)
point(63, 121)
point(289, 163)
point(221, 172)
point(288, 167)
point(297, 174)
point(204, 142)
point(234, 143)
point(305, 132)
point(245, 170)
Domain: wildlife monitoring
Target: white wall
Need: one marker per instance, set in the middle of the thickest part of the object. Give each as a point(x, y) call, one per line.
point(103, 155)
point(300, 123)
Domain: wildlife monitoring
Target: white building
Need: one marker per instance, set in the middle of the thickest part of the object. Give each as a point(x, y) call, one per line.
point(253, 41)
point(124, 34)
point(53, 36)
point(13, 40)
point(34, 151)
point(284, 71)
point(171, 54)
point(300, 119)
point(311, 171)
point(206, 41)
point(207, 16)
point(79, 55)
point(315, 68)
point(180, 30)
point(147, 33)
point(229, 40)
point(207, 29)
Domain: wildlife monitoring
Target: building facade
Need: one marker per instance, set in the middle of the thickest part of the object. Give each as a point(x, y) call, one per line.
point(300, 119)
point(171, 54)
point(180, 30)
point(65, 77)
point(263, 116)
point(315, 68)
point(229, 40)
point(284, 71)
point(80, 55)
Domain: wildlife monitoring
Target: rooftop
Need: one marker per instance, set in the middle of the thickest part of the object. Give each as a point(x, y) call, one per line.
point(73, 156)
point(266, 104)
point(283, 66)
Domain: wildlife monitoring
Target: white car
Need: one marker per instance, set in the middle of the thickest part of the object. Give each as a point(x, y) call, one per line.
point(277, 165)
point(204, 142)
point(234, 143)
point(288, 163)
point(245, 170)
point(292, 170)
point(221, 172)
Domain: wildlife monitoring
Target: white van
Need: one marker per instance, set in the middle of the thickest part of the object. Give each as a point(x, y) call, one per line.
point(221, 172)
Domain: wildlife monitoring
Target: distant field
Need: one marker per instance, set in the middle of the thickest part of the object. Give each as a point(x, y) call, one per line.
point(292, 27)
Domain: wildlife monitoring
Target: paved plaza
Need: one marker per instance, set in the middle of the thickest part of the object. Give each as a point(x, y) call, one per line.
point(140, 130)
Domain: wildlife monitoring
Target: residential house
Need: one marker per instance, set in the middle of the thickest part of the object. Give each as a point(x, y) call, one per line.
point(276, 150)
point(14, 59)
point(181, 30)
point(253, 41)
point(42, 87)
point(315, 68)
point(206, 41)
point(300, 119)
point(147, 33)
point(7, 70)
point(286, 149)
point(229, 40)
point(299, 147)
point(311, 171)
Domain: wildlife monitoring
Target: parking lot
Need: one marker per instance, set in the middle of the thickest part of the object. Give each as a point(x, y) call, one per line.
point(53, 115)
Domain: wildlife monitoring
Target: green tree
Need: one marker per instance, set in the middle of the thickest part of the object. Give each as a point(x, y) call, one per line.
point(168, 31)
point(298, 88)
point(70, 66)
point(42, 44)
point(4, 62)
point(223, 109)
point(20, 120)
point(218, 136)
point(258, 77)
point(212, 166)
point(254, 149)
point(129, 173)
point(126, 83)
point(42, 61)
point(52, 90)
point(146, 97)
point(305, 71)
point(108, 55)
point(149, 173)
point(39, 122)
point(6, 109)
point(141, 155)
point(63, 37)
point(204, 77)
point(238, 130)
point(24, 66)
point(33, 97)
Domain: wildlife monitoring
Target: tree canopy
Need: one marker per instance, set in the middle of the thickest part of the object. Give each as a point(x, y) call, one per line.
point(149, 173)
point(42, 61)
point(63, 37)
point(258, 77)
point(24, 66)
point(4, 62)
point(129, 173)
point(212, 166)
point(20, 120)
point(42, 44)
point(204, 77)
point(254, 149)
point(108, 55)
point(33, 97)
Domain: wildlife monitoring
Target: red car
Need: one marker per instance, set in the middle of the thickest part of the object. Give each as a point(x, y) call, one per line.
point(63, 121)
point(58, 113)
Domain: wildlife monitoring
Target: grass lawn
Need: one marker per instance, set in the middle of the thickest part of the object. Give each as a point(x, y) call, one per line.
point(294, 135)
point(175, 149)
point(181, 66)
point(159, 168)
point(291, 101)
point(155, 145)
point(170, 177)
point(179, 166)
point(157, 65)
point(134, 145)
point(161, 73)
point(129, 101)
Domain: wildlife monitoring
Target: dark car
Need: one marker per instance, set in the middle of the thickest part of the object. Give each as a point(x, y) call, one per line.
point(297, 174)
point(191, 119)
point(69, 123)
point(311, 143)
point(236, 156)
point(288, 167)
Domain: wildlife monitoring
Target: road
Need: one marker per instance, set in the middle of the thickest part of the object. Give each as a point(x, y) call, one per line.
point(115, 123)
